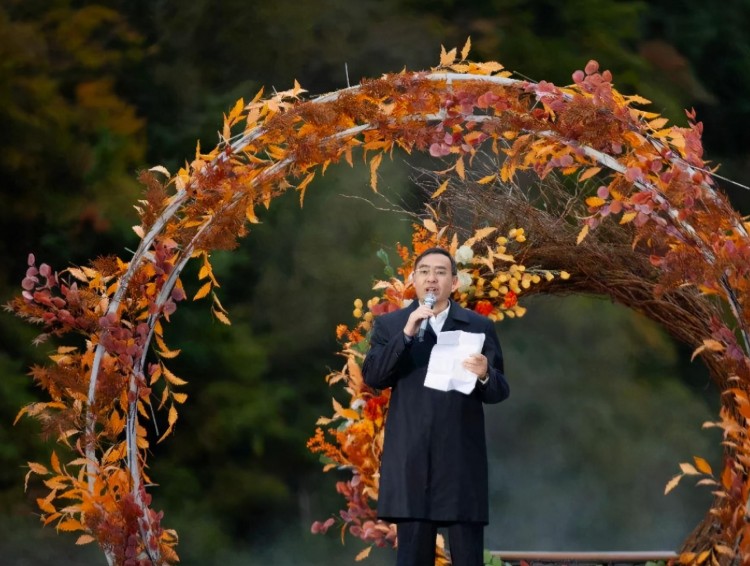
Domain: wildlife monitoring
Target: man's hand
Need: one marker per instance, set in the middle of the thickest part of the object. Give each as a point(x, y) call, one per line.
point(415, 318)
point(477, 364)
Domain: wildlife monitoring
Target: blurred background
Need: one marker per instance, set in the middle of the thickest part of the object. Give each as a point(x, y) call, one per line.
point(604, 405)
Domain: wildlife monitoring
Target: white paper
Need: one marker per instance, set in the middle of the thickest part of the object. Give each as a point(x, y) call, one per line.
point(445, 371)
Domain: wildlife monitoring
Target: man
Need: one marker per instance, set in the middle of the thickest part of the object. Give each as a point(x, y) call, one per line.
point(433, 470)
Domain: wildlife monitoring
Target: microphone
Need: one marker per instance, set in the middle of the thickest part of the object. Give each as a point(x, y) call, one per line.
point(429, 300)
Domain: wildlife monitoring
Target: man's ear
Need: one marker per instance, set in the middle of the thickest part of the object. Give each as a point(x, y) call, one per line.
point(454, 286)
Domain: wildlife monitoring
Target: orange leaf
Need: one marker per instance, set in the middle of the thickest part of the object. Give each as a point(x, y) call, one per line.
point(172, 378)
point(487, 179)
point(374, 164)
point(203, 291)
point(466, 49)
point(628, 216)
point(85, 539)
point(430, 225)
point(702, 465)
point(588, 173)
point(70, 525)
point(56, 463)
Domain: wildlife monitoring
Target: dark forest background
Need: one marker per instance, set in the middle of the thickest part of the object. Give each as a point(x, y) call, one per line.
point(604, 404)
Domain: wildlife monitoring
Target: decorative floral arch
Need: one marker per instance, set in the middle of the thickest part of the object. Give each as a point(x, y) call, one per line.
point(655, 233)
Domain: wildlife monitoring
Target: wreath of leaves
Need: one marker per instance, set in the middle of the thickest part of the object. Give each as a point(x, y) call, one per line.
point(689, 249)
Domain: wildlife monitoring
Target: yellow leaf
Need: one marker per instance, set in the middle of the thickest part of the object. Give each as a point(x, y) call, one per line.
point(363, 554)
point(702, 557)
point(179, 397)
point(161, 169)
point(487, 179)
point(688, 469)
point(588, 173)
point(78, 274)
point(221, 316)
point(430, 225)
point(172, 378)
point(466, 49)
point(350, 414)
point(460, 168)
point(85, 539)
point(203, 291)
point(374, 164)
point(658, 123)
point(595, 201)
point(708, 344)
point(234, 114)
point(447, 58)
point(702, 465)
point(582, 234)
point(672, 483)
point(628, 216)
point(440, 190)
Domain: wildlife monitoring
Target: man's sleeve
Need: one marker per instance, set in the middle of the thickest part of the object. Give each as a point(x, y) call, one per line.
point(496, 389)
point(379, 368)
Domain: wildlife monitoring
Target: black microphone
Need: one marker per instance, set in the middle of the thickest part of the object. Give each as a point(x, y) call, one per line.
point(429, 300)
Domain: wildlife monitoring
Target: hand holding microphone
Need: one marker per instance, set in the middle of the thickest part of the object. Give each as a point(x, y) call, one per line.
point(429, 301)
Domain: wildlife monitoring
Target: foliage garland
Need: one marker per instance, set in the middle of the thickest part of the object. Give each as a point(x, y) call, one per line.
point(103, 386)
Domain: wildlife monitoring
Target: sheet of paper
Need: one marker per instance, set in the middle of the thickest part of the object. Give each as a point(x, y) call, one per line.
point(444, 370)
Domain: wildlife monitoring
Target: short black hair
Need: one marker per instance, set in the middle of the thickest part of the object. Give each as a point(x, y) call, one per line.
point(437, 250)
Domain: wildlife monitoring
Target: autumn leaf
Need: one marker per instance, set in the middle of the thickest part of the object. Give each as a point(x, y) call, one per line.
point(221, 317)
point(203, 291)
point(588, 173)
point(374, 164)
point(440, 190)
point(70, 525)
point(460, 168)
point(447, 58)
point(172, 378)
point(85, 539)
point(688, 469)
point(628, 216)
point(582, 234)
point(672, 483)
point(363, 554)
point(430, 225)
point(594, 202)
point(702, 465)
point(466, 49)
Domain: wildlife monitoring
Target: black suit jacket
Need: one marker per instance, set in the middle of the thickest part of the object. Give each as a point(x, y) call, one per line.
point(434, 461)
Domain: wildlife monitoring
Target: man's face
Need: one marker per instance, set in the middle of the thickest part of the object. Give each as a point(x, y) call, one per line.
point(433, 275)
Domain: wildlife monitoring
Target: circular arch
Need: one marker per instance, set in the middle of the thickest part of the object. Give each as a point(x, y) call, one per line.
point(682, 240)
